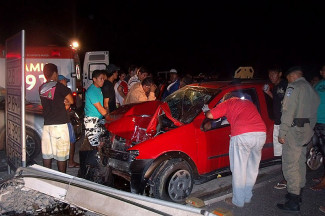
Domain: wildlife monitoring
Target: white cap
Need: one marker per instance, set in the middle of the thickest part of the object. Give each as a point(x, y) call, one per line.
point(173, 71)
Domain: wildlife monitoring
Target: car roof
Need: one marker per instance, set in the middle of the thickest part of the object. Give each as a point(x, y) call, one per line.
point(230, 83)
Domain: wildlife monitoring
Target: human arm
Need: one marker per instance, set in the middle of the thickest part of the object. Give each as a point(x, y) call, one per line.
point(106, 104)
point(120, 91)
point(288, 111)
point(100, 109)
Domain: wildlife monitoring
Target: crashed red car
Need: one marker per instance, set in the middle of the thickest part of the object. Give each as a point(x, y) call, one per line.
point(164, 146)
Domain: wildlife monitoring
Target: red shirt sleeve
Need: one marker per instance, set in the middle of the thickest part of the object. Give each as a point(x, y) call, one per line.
point(220, 110)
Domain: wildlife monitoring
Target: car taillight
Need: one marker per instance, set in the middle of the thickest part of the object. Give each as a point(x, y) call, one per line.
point(74, 94)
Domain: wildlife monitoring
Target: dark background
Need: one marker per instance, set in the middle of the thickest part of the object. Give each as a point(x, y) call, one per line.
point(194, 37)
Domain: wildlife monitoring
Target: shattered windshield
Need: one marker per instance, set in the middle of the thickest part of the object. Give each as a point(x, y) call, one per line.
point(186, 103)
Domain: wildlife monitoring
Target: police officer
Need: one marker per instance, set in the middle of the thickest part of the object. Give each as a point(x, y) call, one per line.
point(298, 119)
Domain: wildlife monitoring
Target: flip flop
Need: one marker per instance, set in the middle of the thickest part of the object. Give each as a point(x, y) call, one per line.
point(317, 180)
point(322, 209)
point(75, 165)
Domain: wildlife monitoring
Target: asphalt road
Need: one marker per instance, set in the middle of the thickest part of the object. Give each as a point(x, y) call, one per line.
point(214, 192)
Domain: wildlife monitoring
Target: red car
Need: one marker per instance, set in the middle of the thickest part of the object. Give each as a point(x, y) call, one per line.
point(165, 145)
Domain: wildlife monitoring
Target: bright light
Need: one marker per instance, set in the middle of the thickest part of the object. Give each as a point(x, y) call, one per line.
point(74, 45)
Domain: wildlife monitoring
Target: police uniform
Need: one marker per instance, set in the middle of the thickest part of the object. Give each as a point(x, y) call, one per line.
point(298, 119)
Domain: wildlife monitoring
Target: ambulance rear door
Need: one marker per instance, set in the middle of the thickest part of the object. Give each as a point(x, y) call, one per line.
point(95, 60)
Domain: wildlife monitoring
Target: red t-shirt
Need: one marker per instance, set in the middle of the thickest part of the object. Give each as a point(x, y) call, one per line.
point(241, 114)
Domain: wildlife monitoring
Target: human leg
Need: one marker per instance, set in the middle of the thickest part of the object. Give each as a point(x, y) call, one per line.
point(72, 136)
point(257, 142)
point(60, 145)
point(294, 171)
point(47, 152)
point(277, 149)
point(238, 155)
point(62, 166)
point(92, 130)
point(320, 132)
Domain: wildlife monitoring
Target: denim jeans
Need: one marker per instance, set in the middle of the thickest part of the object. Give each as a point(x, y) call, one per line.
point(245, 153)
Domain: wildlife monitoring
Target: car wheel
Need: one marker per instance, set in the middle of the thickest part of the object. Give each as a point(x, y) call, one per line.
point(33, 143)
point(174, 181)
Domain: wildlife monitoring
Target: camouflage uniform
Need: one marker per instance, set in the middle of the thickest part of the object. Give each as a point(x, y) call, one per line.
point(298, 119)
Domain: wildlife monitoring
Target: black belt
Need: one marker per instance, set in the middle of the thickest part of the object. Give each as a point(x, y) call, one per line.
point(299, 122)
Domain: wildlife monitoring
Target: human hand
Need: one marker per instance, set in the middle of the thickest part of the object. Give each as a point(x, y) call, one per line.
point(153, 88)
point(205, 108)
point(281, 140)
point(266, 88)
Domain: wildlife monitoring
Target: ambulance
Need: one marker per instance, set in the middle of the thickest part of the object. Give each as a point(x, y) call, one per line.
point(68, 63)
point(66, 59)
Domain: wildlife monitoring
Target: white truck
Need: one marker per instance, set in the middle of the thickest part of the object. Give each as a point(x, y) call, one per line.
point(68, 64)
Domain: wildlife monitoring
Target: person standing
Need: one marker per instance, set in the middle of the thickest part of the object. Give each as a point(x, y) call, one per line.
point(108, 88)
point(55, 137)
point(121, 89)
point(174, 83)
point(131, 72)
point(94, 109)
point(320, 126)
point(248, 135)
point(299, 115)
point(71, 162)
point(140, 75)
point(277, 95)
point(140, 92)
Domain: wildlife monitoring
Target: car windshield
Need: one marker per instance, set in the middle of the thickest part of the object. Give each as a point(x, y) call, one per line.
point(186, 103)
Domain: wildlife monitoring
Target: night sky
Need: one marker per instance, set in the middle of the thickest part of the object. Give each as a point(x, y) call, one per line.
point(194, 37)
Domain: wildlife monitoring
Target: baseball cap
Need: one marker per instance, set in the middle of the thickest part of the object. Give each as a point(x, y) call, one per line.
point(61, 77)
point(112, 68)
point(173, 71)
point(293, 69)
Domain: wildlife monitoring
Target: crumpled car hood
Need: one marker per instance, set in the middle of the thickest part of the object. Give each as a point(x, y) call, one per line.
point(138, 122)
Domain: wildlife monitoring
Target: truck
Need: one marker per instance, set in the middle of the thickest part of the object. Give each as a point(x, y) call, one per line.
point(68, 63)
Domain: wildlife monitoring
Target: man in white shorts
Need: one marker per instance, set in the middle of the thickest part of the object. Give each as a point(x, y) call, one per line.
point(55, 137)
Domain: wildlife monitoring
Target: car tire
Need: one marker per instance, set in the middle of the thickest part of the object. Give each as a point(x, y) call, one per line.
point(173, 181)
point(33, 144)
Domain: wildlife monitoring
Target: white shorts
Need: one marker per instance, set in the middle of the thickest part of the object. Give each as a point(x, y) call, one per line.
point(277, 147)
point(56, 142)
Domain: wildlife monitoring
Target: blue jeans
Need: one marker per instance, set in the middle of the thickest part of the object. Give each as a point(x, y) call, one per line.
point(245, 153)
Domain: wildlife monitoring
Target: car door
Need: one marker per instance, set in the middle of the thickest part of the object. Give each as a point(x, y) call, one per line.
point(218, 136)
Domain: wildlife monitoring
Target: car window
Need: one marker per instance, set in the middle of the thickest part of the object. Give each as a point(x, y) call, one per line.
point(186, 103)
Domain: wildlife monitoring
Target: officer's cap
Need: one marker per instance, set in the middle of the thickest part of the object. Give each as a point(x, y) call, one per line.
point(293, 69)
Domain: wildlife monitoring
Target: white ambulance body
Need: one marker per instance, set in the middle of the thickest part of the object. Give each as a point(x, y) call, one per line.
point(96, 60)
point(65, 58)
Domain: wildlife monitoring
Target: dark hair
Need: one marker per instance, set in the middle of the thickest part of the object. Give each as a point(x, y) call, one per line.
point(120, 72)
point(49, 69)
point(275, 68)
point(143, 70)
point(187, 80)
point(228, 96)
point(132, 68)
point(147, 81)
point(97, 73)
point(109, 73)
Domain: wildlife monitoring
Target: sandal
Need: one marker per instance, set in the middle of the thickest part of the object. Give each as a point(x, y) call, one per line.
point(322, 209)
point(280, 186)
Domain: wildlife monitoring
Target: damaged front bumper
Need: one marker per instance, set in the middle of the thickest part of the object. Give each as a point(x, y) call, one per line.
point(126, 166)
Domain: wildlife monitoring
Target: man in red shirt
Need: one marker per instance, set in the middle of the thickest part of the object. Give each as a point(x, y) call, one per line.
point(248, 135)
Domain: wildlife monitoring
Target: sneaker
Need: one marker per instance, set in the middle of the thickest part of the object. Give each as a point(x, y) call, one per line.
point(281, 185)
